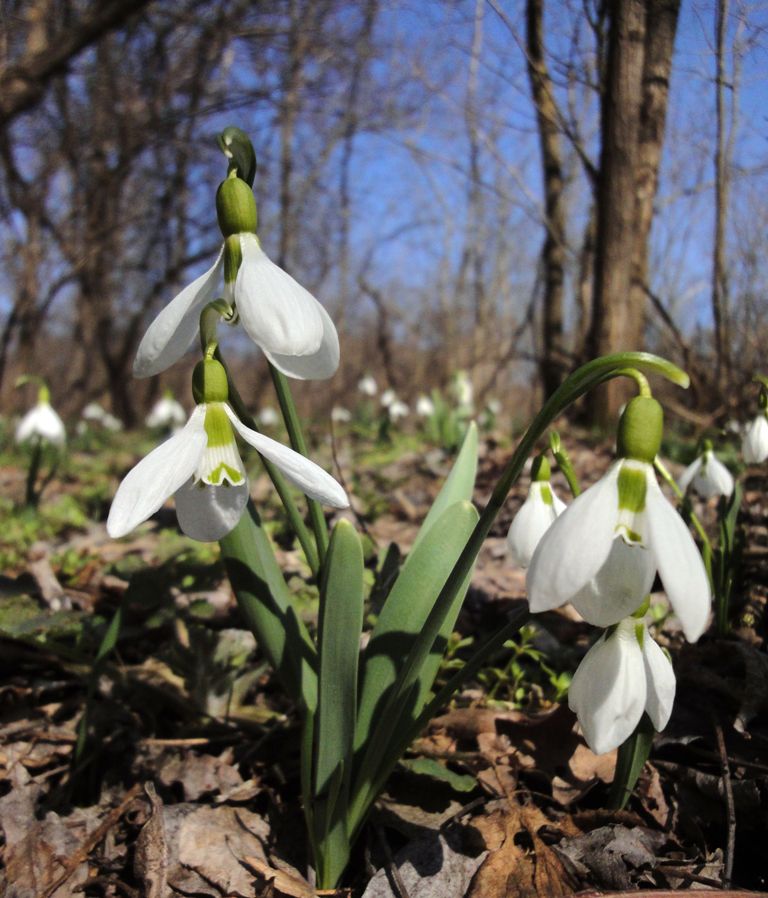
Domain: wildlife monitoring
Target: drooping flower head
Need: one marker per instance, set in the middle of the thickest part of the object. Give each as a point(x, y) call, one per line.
point(290, 326)
point(340, 415)
point(42, 422)
point(602, 553)
point(624, 674)
point(425, 408)
point(367, 386)
point(397, 409)
point(754, 447)
point(535, 516)
point(166, 413)
point(463, 391)
point(201, 467)
point(707, 475)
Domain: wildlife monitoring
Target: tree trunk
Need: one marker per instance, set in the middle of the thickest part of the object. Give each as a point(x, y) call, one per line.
point(719, 273)
point(661, 26)
point(617, 323)
point(553, 250)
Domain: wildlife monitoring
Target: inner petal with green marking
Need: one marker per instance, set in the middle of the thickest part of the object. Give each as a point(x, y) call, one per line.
point(632, 487)
point(221, 463)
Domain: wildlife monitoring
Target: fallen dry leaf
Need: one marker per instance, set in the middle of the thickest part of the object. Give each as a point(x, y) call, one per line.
point(519, 863)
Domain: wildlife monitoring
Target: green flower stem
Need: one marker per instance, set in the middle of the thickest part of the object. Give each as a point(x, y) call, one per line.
point(31, 497)
point(579, 382)
point(293, 426)
point(564, 463)
point(632, 757)
point(283, 490)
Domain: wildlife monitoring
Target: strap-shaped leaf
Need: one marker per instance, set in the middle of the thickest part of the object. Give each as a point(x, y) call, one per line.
point(402, 617)
point(267, 606)
point(459, 484)
point(340, 625)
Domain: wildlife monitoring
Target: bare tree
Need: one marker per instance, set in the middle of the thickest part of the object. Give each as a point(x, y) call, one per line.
point(553, 251)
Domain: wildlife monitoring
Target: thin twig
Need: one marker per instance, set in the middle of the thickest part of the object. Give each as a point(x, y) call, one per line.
point(390, 864)
point(729, 804)
point(81, 854)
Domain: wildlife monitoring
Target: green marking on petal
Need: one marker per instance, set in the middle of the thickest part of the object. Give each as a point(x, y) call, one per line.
point(217, 426)
point(632, 485)
point(643, 609)
point(222, 471)
point(640, 633)
point(233, 257)
point(545, 491)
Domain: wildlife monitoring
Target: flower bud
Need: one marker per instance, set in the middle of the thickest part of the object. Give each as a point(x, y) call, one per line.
point(640, 429)
point(236, 207)
point(209, 382)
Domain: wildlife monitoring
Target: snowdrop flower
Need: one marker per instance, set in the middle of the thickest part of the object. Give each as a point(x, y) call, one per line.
point(624, 674)
point(166, 413)
point(707, 476)
point(602, 553)
point(41, 421)
point(93, 412)
point(463, 391)
point(425, 408)
point(201, 467)
point(289, 325)
point(111, 422)
point(397, 409)
point(388, 397)
point(340, 415)
point(367, 386)
point(535, 516)
point(268, 417)
point(754, 447)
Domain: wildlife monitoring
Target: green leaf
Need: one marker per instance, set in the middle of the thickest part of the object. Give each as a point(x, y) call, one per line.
point(460, 782)
point(630, 762)
point(402, 617)
point(340, 625)
point(267, 606)
point(458, 486)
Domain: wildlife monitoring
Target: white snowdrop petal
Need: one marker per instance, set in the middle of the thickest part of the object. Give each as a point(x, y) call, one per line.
point(171, 333)
point(575, 547)
point(208, 513)
point(619, 587)
point(660, 683)
point(529, 525)
point(608, 691)
point(278, 314)
point(716, 480)
point(41, 421)
point(146, 486)
point(755, 445)
point(319, 365)
point(310, 478)
point(686, 478)
point(678, 561)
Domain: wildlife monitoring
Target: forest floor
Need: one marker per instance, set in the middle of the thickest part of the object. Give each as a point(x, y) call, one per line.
point(185, 780)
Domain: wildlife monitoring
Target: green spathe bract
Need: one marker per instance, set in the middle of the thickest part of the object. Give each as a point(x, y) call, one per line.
point(641, 428)
point(236, 208)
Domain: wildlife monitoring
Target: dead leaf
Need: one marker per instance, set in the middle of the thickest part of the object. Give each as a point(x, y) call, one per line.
point(285, 883)
point(436, 866)
point(151, 855)
point(520, 864)
point(201, 774)
point(613, 856)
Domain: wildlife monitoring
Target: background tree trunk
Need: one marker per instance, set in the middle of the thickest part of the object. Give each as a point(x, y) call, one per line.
point(617, 322)
point(553, 250)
